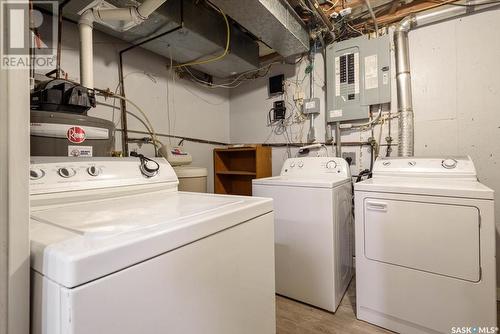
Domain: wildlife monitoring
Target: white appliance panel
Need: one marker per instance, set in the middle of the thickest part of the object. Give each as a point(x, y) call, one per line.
point(113, 216)
point(426, 167)
point(420, 302)
point(312, 242)
point(74, 249)
point(93, 173)
point(423, 236)
point(199, 288)
point(343, 239)
point(304, 243)
point(116, 249)
point(320, 168)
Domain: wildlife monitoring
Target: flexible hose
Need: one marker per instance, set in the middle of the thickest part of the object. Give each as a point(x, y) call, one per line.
point(149, 127)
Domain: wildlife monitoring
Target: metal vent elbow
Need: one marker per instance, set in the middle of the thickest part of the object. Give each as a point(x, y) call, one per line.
point(406, 24)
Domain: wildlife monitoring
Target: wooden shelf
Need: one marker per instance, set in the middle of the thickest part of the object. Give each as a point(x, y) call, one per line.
point(235, 149)
point(234, 168)
point(235, 172)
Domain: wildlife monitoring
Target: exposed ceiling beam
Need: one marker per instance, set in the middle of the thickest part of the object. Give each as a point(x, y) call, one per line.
point(393, 15)
point(387, 11)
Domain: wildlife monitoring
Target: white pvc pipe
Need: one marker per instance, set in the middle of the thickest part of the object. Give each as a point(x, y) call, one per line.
point(149, 6)
point(85, 26)
point(116, 14)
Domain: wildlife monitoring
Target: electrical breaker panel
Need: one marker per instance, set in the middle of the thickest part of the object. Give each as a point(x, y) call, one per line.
point(358, 75)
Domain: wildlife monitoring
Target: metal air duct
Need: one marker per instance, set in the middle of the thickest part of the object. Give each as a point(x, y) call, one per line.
point(184, 30)
point(272, 21)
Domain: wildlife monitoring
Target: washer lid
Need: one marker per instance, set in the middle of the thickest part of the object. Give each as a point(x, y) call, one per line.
point(308, 182)
point(74, 244)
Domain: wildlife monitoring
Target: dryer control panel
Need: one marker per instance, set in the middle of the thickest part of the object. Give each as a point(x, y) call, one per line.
point(442, 167)
point(312, 167)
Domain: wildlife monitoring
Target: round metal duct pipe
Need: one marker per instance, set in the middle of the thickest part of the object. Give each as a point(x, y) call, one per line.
point(403, 74)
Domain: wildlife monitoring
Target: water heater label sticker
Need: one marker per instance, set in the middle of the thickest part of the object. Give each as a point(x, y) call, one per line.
point(80, 151)
point(335, 113)
point(371, 72)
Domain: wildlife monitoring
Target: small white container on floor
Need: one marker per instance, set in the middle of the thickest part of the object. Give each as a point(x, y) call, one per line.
point(192, 179)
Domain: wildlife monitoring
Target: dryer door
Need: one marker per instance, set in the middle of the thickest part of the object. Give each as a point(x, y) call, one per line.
point(431, 237)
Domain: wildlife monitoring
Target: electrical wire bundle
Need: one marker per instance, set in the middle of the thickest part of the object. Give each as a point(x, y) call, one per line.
point(231, 83)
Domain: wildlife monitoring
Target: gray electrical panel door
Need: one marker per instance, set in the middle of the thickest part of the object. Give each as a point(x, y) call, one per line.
point(358, 75)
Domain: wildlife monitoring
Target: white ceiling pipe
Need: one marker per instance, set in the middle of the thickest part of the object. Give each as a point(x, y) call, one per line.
point(136, 15)
point(403, 74)
point(85, 26)
point(117, 14)
point(149, 6)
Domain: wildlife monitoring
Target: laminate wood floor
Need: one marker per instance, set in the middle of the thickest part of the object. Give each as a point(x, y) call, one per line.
point(296, 318)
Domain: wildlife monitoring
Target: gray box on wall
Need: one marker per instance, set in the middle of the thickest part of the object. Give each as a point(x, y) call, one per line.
point(358, 75)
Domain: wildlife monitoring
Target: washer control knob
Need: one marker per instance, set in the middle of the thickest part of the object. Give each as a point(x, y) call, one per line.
point(449, 163)
point(36, 174)
point(93, 171)
point(292, 164)
point(412, 163)
point(149, 168)
point(66, 172)
point(331, 164)
point(386, 163)
point(301, 164)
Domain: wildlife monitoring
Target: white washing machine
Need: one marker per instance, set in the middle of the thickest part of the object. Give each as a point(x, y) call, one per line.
point(425, 247)
point(116, 249)
point(313, 229)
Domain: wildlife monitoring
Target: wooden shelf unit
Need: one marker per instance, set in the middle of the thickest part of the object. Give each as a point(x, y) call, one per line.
point(235, 168)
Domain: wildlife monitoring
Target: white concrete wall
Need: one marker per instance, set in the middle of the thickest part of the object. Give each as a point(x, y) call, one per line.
point(456, 93)
point(195, 112)
point(250, 104)
point(456, 90)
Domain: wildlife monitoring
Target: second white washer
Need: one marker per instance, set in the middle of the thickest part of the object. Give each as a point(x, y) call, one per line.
point(313, 229)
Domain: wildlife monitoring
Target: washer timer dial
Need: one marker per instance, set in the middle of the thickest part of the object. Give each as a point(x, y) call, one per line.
point(66, 172)
point(36, 174)
point(93, 171)
point(449, 163)
point(149, 168)
point(331, 164)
